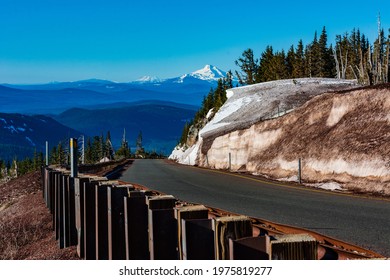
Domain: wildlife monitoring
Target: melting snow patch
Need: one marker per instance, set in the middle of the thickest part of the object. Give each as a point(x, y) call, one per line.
point(5, 122)
point(21, 129)
point(209, 113)
point(331, 186)
point(289, 179)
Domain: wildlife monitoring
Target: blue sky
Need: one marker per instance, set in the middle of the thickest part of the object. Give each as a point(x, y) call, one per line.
point(122, 40)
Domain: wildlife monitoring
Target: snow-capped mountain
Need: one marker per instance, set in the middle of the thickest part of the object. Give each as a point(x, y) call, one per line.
point(148, 79)
point(208, 73)
point(44, 98)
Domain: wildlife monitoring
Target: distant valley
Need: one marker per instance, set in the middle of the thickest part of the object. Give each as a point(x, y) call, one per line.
point(159, 108)
point(161, 123)
point(22, 135)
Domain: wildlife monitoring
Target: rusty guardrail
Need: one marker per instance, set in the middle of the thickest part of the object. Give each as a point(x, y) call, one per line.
point(117, 220)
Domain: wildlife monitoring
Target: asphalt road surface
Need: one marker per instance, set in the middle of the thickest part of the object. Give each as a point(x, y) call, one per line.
point(361, 221)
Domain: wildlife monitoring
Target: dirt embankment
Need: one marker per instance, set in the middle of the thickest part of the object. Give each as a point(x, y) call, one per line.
point(342, 137)
point(26, 224)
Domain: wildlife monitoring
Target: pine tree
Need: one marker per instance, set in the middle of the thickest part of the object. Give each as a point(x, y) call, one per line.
point(184, 134)
point(61, 156)
point(299, 62)
point(88, 152)
point(96, 149)
point(265, 72)
point(279, 66)
point(291, 61)
point(140, 151)
point(124, 150)
point(249, 67)
point(219, 94)
point(325, 59)
point(315, 58)
point(109, 150)
point(53, 155)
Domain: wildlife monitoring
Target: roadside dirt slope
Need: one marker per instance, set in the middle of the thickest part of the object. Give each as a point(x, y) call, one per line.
point(26, 224)
point(342, 137)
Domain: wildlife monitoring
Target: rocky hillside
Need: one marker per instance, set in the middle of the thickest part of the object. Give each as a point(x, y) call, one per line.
point(342, 138)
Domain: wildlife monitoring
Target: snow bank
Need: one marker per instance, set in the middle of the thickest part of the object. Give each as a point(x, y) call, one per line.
point(248, 105)
point(186, 156)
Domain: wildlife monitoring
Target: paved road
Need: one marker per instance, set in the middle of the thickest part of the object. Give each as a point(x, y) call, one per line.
point(361, 221)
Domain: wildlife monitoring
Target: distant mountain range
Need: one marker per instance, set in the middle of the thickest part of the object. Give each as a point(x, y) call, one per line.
point(21, 135)
point(161, 123)
point(157, 107)
point(54, 98)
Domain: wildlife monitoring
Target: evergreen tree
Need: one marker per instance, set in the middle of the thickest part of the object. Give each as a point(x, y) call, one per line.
point(249, 67)
point(316, 63)
point(325, 60)
point(109, 151)
point(265, 70)
point(184, 134)
point(299, 62)
point(97, 149)
point(61, 155)
point(279, 70)
point(54, 155)
point(140, 151)
point(124, 150)
point(291, 61)
point(229, 80)
point(88, 152)
point(219, 94)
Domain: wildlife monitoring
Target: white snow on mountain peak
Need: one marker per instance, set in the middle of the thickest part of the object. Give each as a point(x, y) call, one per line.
point(148, 79)
point(209, 72)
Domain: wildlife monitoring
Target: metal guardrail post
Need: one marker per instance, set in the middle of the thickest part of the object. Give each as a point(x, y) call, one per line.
point(250, 248)
point(79, 212)
point(101, 221)
point(294, 247)
point(65, 215)
point(198, 240)
point(47, 154)
point(136, 226)
point(188, 213)
point(162, 228)
point(73, 157)
point(90, 219)
point(116, 221)
point(233, 227)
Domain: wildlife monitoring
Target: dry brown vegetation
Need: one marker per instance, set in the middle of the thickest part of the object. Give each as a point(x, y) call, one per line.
point(26, 224)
